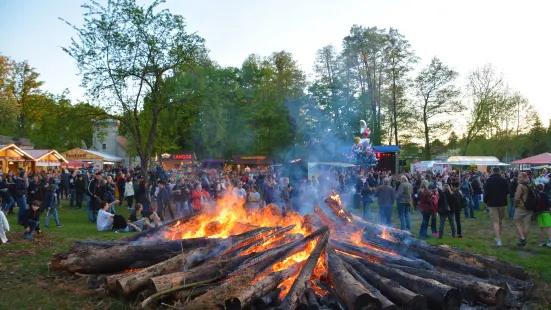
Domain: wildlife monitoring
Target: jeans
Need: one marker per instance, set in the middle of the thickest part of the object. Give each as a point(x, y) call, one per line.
point(72, 193)
point(130, 201)
point(182, 208)
point(433, 223)
point(367, 208)
point(443, 218)
point(53, 211)
point(34, 225)
point(58, 195)
point(22, 204)
point(92, 216)
point(458, 221)
point(403, 212)
point(424, 224)
point(79, 198)
point(65, 192)
point(476, 202)
point(7, 204)
point(112, 209)
point(469, 212)
point(385, 215)
point(511, 207)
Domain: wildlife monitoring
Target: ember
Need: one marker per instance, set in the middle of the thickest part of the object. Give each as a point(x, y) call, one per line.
point(232, 257)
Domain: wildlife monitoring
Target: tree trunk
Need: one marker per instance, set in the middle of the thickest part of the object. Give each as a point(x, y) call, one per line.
point(439, 296)
point(301, 282)
point(349, 290)
point(426, 126)
point(394, 291)
point(394, 102)
point(239, 292)
point(385, 303)
point(136, 281)
point(471, 290)
point(383, 257)
point(119, 258)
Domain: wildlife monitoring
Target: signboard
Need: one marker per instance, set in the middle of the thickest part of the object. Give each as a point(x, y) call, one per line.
point(173, 157)
point(79, 154)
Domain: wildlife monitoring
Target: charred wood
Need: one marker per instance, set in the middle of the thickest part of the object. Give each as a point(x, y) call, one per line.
point(350, 291)
point(392, 290)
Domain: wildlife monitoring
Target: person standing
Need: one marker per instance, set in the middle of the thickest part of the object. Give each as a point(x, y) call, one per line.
point(522, 213)
point(403, 198)
point(512, 190)
point(460, 202)
point(367, 199)
point(386, 197)
point(477, 191)
point(496, 190)
point(21, 186)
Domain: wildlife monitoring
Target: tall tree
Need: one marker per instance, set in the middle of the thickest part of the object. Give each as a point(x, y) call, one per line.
point(22, 84)
point(437, 98)
point(400, 58)
point(485, 88)
point(126, 52)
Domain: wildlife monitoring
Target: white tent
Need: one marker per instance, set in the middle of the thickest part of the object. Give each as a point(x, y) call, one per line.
point(477, 160)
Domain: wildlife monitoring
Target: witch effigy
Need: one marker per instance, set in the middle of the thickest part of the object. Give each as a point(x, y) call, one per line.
point(362, 151)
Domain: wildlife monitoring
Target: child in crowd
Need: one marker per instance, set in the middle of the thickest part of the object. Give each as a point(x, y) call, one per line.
point(543, 216)
point(51, 206)
point(4, 226)
point(30, 220)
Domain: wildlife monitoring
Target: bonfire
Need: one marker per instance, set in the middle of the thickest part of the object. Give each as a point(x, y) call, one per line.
point(230, 257)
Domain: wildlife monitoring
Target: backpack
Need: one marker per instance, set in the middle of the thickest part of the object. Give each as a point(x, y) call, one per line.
point(119, 222)
point(531, 203)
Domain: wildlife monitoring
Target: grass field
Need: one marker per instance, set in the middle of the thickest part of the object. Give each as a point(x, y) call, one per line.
point(26, 282)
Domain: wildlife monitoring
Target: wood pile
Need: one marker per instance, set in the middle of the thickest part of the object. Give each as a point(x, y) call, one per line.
point(339, 262)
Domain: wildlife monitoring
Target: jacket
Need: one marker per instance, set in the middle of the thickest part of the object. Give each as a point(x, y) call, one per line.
point(4, 225)
point(446, 202)
point(521, 195)
point(425, 201)
point(80, 186)
point(496, 190)
point(405, 191)
point(477, 187)
point(49, 200)
point(29, 215)
point(20, 188)
point(543, 203)
point(386, 195)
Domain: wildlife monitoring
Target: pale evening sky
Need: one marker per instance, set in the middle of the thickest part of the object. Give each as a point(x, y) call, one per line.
point(513, 35)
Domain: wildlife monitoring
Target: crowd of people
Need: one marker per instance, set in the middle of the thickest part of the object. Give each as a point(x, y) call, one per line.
point(171, 194)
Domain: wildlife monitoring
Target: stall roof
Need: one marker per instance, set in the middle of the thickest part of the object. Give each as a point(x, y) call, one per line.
point(477, 160)
point(18, 150)
point(541, 159)
point(105, 156)
point(336, 164)
point(39, 154)
point(386, 148)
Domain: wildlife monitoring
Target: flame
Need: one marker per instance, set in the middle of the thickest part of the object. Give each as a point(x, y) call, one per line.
point(318, 290)
point(356, 238)
point(336, 198)
point(385, 235)
point(371, 259)
point(229, 217)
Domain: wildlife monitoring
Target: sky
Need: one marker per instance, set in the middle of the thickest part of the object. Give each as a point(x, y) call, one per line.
point(512, 35)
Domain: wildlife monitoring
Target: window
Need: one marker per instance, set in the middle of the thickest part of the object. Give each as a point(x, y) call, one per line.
point(104, 146)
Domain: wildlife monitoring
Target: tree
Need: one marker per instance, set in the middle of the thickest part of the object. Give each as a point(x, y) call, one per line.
point(487, 101)
point(22, 84)
point(126, 53)
point(437, 96)
point(538, 142)
point(400, 58)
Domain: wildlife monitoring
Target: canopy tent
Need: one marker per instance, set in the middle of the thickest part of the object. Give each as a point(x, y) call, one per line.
point(541, 159)
point(477, 160)
point(73, 164)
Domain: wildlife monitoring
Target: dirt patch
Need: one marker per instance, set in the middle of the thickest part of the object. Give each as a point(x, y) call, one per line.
point(17, 252)
point(43, 240)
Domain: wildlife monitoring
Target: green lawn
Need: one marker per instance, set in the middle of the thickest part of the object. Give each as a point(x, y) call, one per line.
point(26, 283)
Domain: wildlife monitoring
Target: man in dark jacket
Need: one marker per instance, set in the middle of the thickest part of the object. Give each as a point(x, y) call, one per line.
point(496, 191)
point(21, 186)
point(92, 193)
point(80, 189)
point(386, 198)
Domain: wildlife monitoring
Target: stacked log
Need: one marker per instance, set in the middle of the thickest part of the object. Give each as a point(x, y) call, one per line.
point(389, 269)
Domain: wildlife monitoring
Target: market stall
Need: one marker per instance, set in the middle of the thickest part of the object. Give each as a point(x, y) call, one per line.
point(97, 159)
point(46, 159)
point(179, 161)
point(538, 160)
point(257, 162)
point(14, 158)
point(482, 163)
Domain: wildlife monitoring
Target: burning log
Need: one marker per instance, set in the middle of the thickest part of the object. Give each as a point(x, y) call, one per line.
point(385, 303)
point(349, 290)
point(261, 240)
point(136, 281)
point(191, 293)
point(325, 219)
point(301, 282)
point(501, 281)
point(439, 296)
point(334, 203)
point(311, 299)
point(380, 255)
point(155, 230)
point(394, 291)
point(486, 293)
point(270, 299)
point(123, 257)
point(239, 292)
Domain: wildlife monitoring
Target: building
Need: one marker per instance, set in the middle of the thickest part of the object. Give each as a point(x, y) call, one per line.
point(108, 141)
